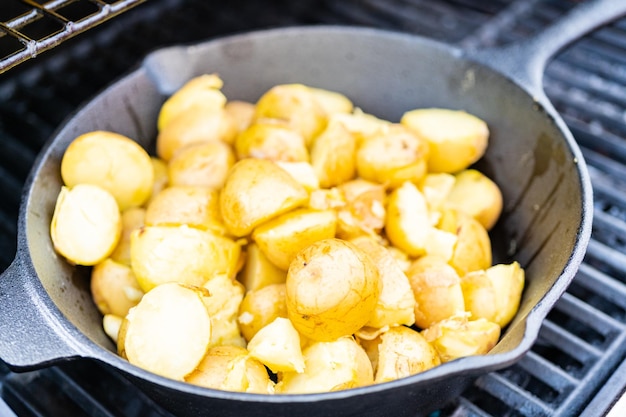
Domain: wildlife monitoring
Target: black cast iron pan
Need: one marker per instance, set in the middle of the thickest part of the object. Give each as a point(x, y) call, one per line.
point(46, 312)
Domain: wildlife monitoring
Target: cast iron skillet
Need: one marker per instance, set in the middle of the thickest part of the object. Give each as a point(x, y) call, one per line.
point(46, 312)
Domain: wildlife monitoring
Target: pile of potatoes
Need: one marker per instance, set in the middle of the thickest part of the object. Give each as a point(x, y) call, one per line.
point(293, 245)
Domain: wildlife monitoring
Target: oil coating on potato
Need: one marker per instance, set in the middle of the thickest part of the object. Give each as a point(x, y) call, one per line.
point(260, 307)
point(86, 224)
point(477, 195)
point(282, 238)
point(114, 288)
point(168, 332)
point(202, 164)
point(230, 368)
point(256, 191)
point(269, 139)
point(329, 366)
point(161, 254)
point(112, 161)
point(403, 352)
point(456, 139)
point(332, 290)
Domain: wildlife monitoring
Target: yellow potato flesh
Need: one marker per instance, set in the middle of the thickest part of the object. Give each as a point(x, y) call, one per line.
point(392, 158)
point(132, 219)
point(256, 191)
point(258, 271)
point(396, 302)
point(297, 105)
point(114, 288)
point(458, 337)
point(508, 283)
point(161, 254)
point(364, 212)
point(360, 124)
point(332, 290)
point(223, 302)
point(408, 223)
point(329, 366)
point(261, 307)
point(282, 238)
point(437, 290)
point(333, 155)
point(302, 172)
point(112, 161)
point(202, 165)
point(403, 352)
point(112, 325)
point(230, 368)
point(201, 92)
point(168, 332)
point(477, 195)
point(86, 224)
point(273, 141)
point(186, 205)
point(457, 139)
point(161, 180)
point(242, 112)
point(332, 101)
point(277, 346)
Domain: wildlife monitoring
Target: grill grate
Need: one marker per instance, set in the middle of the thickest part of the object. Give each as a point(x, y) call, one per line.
point(28, 28)
point(581, 348)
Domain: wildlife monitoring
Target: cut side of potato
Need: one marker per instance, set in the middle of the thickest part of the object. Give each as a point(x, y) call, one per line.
point(333, 155)
point(86, 224)
point(408, 222)
point(201, 164)
point(277, 346)
point(268, 139)
point(477, 195)
point(168, 332)
point(114, 288)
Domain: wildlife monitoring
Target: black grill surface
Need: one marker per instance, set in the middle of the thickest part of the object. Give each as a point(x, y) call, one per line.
point(577, 366)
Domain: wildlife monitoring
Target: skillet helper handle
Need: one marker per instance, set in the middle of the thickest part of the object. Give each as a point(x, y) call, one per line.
point(30, 338)
point(526, 60)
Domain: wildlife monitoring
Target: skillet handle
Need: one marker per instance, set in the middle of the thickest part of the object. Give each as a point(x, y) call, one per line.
point(30, 337)
point(525, 61)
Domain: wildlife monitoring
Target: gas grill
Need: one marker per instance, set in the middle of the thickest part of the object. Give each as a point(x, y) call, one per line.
point(56, 54)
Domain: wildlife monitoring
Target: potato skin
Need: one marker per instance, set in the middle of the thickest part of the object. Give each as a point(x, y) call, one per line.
point(260, 307)
point(332, 290)
point(244, 201)
point(201, 164)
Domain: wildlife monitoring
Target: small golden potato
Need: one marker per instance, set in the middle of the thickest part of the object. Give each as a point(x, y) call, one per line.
point(161, 254)
point(202, 92)
point(494, 294)
point(325, 199)
point(403, 352)
point(302, 172)
point(458, 337)
point(281, 239)
point(277, 346)
point(112, 161)
point(435, 187)
point(86, 224)
point(168, 332)
point(329, 366)
point(472, 251)
point(222, 303)
point(360, 124)
point(333, 154)
point(242, 112)
point(258, 271)
point(437, 290)
point(132, 218)
point(112, 325)
point(230, 368)
point(396, 303)
point(202, 165)
point(267, 139)
point(364, 212)
point(331, 101)
point(196, 125)
point(295, 104)
point(477, 195)
point(260, 307)
point(457, 139)
point(392, 157)
point(332, 290)
point(114, 288)
point(408, 222)
point(258, 190)
point(193, 206)
point(161, 179)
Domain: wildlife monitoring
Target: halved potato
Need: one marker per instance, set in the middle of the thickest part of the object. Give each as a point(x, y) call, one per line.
point(408, 222)
point(302, 172)
point(114, 288)
point(282, 238)
point(161, 254)
point(258, 271)
point(112, 161)
point(86, 224)
point(277, 346)
point(477, 195)
point(258, 190)
point(223, 302)
point(270, 139)
point(457, 139)
point(242, 112)
point(168, 332)
point(132, 219)
point(329, 366)
point(260, 307)
point(333, 154)
point(201, 164)
point(364, 212)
